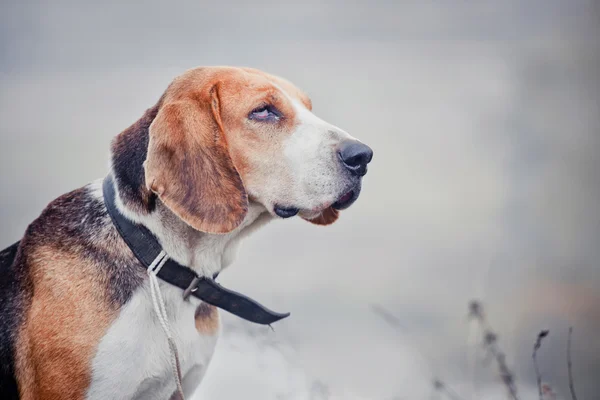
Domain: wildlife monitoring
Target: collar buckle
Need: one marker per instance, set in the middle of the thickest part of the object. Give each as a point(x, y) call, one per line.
point(192, 287)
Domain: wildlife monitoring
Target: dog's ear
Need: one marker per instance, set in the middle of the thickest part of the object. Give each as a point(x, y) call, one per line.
point(189, 167)
point(327, 217)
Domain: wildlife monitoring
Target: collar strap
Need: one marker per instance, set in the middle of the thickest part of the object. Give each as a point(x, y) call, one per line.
point(146, 249)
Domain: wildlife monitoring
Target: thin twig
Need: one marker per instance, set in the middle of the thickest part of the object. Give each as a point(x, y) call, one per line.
point(536, 346)
point(570, 366)
point(490, 342)
point(506, 374)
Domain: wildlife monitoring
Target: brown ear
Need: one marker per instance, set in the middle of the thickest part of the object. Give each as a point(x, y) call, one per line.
point(189, 167)
point(327, 217)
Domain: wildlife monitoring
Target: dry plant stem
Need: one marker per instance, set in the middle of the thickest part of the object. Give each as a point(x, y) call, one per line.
point(537, 376)
point(536, 346)
point(570, 366)
point(490, 342)
point(505, 374)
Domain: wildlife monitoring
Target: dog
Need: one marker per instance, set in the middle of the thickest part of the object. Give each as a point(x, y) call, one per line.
point(224, 151)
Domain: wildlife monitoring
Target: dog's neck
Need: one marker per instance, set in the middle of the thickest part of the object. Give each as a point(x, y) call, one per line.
point(205, 253)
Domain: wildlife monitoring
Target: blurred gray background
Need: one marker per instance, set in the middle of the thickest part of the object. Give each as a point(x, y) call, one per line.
point(484, 117)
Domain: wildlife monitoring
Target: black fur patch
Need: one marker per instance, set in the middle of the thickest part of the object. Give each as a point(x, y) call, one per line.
point(11, 311)
point(129, 151)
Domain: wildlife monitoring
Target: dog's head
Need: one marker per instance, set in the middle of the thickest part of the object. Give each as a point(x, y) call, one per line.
point(225, 136)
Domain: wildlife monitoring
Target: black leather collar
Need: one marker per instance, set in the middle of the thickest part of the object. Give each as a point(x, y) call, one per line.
point(146, 248)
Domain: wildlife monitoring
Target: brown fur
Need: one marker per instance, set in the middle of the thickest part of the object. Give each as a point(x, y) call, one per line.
point(67, 318)
point(189, 167)
point(327, 217)
point(207, 319)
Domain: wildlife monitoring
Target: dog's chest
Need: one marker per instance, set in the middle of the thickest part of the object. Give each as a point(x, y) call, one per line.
point(133, 359)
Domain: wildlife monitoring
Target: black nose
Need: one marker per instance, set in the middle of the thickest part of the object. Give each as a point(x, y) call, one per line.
point(355, 156)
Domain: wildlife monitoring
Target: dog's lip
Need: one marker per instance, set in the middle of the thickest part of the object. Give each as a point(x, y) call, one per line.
point(347, 199)
point(285, 212)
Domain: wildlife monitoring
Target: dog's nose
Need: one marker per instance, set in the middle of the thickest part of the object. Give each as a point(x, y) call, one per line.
point(355, 156)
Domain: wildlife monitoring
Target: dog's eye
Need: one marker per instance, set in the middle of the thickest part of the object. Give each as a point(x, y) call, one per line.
point(265, 113)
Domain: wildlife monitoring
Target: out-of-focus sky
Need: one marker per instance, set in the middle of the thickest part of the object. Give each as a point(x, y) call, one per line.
point(485, 121)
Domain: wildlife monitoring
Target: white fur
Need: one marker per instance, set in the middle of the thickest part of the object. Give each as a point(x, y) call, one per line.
point(132, 360)
point(312, 157)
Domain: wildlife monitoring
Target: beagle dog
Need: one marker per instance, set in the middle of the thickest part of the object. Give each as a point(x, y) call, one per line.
point(224, 151)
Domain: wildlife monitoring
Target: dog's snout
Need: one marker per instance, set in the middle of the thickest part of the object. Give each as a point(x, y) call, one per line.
point(355, 156)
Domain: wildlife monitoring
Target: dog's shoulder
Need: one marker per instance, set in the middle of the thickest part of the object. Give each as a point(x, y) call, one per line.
point(75, 273)
point(75, 232)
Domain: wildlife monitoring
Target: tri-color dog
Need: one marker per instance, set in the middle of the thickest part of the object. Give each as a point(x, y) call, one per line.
point(223, 151)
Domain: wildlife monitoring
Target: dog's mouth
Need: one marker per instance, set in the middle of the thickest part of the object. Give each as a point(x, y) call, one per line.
point(343, 202)
point(346, 200)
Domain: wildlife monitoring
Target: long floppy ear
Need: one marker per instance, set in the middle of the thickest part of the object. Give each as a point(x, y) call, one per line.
point(188, 166)
point(327, 217)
